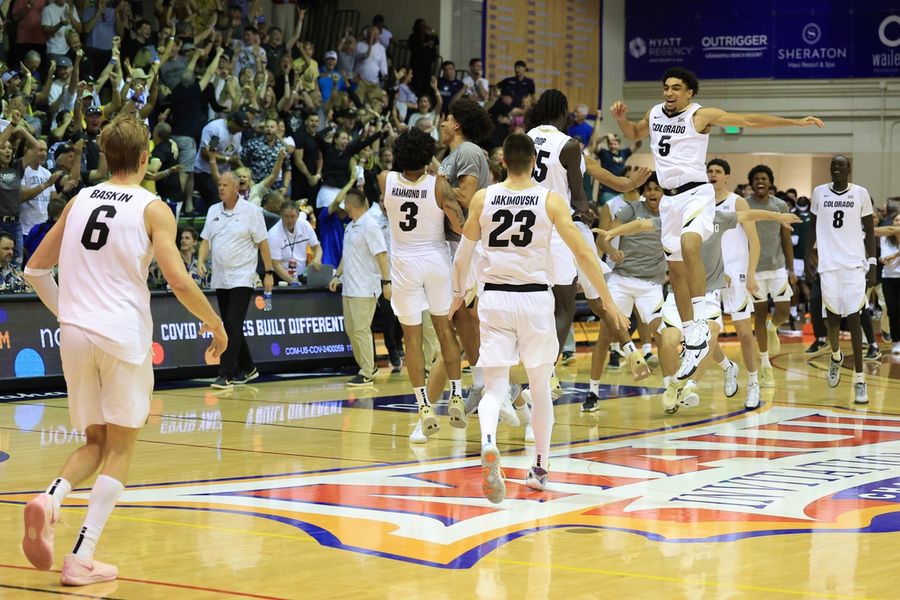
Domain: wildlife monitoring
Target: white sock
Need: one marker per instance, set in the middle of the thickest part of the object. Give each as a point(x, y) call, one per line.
point(667, 380)
point(477, 377)
point(614, 347)
point(647, 349)
point(699, 303)
point(541, 414)
point(752, 377)
point(58, 490)
point(629, 348)
point(105, 493)
point(421, 396)
point(837, 355)
point(794, 311)
point(496, 389)
point(725, 363)
point(764, 359)
point(595, 386)
point(859, 378)
point(455, 387)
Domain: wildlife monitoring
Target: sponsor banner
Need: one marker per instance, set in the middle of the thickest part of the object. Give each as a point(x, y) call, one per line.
point(301, 325)
point(809, 39)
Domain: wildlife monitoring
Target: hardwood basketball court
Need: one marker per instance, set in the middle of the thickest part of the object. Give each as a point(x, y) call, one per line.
point(304, 488)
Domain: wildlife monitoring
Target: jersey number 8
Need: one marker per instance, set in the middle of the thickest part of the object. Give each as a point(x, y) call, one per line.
point(838, 220)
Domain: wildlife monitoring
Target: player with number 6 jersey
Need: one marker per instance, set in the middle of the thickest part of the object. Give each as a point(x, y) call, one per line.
point(416, 204)
point(104, 242)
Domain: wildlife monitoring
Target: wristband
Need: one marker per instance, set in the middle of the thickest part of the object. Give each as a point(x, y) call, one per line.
point(385, 282)
point(872, 260)
point(270, 273)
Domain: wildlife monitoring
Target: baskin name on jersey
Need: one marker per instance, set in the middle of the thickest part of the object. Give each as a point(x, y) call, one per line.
point(786, 470)
point(101, 194)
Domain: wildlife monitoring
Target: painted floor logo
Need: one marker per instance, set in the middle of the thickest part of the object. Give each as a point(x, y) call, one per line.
point(787, 470)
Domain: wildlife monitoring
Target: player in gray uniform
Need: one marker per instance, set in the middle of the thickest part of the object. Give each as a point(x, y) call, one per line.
point(636, 281)
point(774, 271)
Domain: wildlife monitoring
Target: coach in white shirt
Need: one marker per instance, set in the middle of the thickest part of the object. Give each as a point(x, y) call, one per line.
point(364, 273)
point(288, 240)
point(233, 232)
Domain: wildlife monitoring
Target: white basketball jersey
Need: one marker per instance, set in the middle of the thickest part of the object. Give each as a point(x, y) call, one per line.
point(103, 265)
point(839, 235)
point(417, 222)
point(679, 150)
point(735, 247)
point(515, 234)
point(548, 170)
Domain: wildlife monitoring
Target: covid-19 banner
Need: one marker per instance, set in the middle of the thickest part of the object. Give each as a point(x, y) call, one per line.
point(302, 325)
point(765, 39)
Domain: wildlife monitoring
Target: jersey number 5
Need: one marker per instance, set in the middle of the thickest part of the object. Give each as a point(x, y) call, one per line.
point(524, 218)
point(540, 169)
point(409, 210)
point(664, 146)
point(96, 231)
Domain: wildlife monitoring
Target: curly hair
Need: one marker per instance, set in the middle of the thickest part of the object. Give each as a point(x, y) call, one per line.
point(651, 179)
point(552, 105)
point(474, 122)
point(761, 169)
point(413, 150)
point(688, 77)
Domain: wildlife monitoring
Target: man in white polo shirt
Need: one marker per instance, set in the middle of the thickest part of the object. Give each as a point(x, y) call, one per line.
point(364, 273)
point(234, 231)
point(289, 239)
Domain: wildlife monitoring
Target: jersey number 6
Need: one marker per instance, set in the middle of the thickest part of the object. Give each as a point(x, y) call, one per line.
point(94, 224)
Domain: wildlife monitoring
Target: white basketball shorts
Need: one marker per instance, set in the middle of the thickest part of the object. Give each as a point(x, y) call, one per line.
point(712, 311)
point(630, 292)
point(773, 283)
point(843, 291)
point(421, 283)
point(692, 211)
point(737, 301)
point(517, 326)
point(102, 388)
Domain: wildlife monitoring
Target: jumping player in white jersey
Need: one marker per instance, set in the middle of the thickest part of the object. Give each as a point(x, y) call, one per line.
point(842, 238)
point(104, 242)
point(679, 133)
point(416, 204)
point(559, 167)
point(514, 220)
point(740, 251)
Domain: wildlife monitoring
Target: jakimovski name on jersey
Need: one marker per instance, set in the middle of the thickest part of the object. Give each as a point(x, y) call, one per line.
point(111, 195)
point(520, 200)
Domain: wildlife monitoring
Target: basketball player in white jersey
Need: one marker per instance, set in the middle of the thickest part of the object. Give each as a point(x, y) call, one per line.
point(740, 251)
point(416, 204)
point(679, 134)
point(559, 167)
point(104, 242)
point(842, 238)
point(515, 220)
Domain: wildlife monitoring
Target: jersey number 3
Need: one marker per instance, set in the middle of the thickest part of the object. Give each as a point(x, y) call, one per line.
point(524, 218)
point(96, 231)
point(409, 210)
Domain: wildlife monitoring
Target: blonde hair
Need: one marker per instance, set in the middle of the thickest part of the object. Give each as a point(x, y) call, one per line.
point(122, 142)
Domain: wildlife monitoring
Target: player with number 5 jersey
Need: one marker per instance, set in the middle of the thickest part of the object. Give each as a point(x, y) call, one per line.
point(416, 204)
point(679, 133)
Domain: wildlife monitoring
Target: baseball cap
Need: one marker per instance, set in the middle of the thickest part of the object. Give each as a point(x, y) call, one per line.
point(240, 117)
point(63, 61)
point(62, 149)
point(138, 74)
point(520, 63)
point(331, 54)
point(9, 75)
point(93, 110)
point(249, 108)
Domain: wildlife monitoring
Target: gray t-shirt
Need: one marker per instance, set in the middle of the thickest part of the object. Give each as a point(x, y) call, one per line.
point(467, 159)
point(711, 250)
point(644, 255)
point(771, 256)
